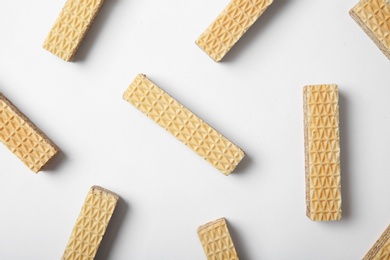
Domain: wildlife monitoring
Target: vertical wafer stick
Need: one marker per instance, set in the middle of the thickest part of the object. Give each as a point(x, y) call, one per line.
point(216, 240)
point(91, 224)
point(23, 138)
point(71, 26)
point(373, 16)
point(230, 25)
point(183, 124)
point(322, 152)
point(381, 249)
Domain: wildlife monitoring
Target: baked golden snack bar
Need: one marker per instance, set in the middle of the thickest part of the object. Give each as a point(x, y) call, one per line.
point(230, 25)
point(183, 124)
point(91, 224)
point(23, 138)
point(381, 249)
point(322, 152)
point(373, 16)
point(71, 26)
point(216, 240)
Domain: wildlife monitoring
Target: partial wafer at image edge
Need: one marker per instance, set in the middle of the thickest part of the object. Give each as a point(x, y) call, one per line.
point(20, 114)
point(370, 34)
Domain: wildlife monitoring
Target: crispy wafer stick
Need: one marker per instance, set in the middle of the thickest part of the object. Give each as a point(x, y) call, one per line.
point(216, 240)
point(23, 138)
point(322, 152)
point(381, 249)
point(91, 224)
point(373, 16)
point(183, 124)
point(230, 25)
point(71, 26)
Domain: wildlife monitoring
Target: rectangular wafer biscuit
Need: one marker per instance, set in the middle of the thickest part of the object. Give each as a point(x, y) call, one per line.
point(373, 16)
point(183, 124)
point(71, 26)
point(216, 240)
point(381, 249)
point(23, 138)
point(322, 152)
point(230, 25)
point(91, 224)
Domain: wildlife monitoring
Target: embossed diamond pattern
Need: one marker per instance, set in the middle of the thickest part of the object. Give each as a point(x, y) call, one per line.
point(230, 25)
point(216, 241)
point(22, 138)
point(91, 224)
point(374, 17)
point(384, 253)
point(71, 26)
point(183, 124)
point(322, 152)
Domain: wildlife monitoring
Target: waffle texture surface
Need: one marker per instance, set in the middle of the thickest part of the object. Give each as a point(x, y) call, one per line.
point(322, 152)
point(71, 26)
point(91, 224)
point(373, 16)
point(23, 138)
point(183, 124)
point(230, 25)
point(216, 241)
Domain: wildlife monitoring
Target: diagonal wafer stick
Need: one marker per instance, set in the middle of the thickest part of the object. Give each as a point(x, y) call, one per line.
point(322, 152)
point(373, 16)
point(230, 25)
point(381, 249)
point(183, 124)
point(216, 240)
point(91, 224)
point(71, 26)
point(23, 138)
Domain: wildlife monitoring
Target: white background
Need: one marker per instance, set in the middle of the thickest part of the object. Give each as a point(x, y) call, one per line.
point(254, 97)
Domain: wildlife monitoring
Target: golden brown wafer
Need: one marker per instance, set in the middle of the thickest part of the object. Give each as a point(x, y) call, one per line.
point(216, 240)
point(373, 16)
point(71, 26)
point(183, 124)
point(23, 138)
point(230, 25)
point(322, 152)
point(381, 249)
point(91, 224)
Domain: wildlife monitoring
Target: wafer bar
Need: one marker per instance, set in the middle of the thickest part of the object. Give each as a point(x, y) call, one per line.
point(71, 26)
point(373, 16)
point(23, 138)
point(216, 240)
point(91, 224)
point(322, 152)
point(381, 249)
point(230, 25)
point(183, 124)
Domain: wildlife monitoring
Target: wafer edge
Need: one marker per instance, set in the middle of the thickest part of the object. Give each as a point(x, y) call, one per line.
point(378, 245)
point(103, 190)
point(370, 34)
point(306, 138)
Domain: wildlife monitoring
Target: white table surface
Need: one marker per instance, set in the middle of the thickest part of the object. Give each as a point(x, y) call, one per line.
point(254, 97)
